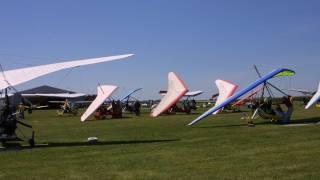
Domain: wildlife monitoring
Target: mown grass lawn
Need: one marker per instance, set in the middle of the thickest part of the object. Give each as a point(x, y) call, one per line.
point(221, 147)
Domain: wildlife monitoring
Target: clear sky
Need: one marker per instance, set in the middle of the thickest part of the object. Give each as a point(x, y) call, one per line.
point(201, 40)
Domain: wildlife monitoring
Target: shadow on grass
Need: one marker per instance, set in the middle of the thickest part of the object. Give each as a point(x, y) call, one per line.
point(234, 125)
point(17, 146)
point(231, 112)
point(222, 126)
point(103, 143)
point(314, 120)
point(107, 119)
point(179, 114)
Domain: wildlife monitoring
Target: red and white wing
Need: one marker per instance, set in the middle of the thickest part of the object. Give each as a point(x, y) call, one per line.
point(176, 89)
point(226, 89)
point(104, 92)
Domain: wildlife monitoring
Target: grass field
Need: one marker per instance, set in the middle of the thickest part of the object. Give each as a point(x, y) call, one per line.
point(221, 147)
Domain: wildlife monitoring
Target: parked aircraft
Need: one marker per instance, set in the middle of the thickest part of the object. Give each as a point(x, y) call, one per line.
point(176, 90)
point(11, 78)
point(263, 80)
point(103, 93)
point(226, 89)
point(131, 104)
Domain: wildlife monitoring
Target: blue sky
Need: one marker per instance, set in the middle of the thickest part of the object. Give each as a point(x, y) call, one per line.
point(199, 40)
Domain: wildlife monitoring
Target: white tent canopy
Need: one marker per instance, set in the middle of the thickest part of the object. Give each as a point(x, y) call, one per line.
point(59, 95)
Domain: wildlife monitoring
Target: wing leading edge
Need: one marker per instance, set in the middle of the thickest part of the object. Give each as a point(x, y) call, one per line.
point(18, 76)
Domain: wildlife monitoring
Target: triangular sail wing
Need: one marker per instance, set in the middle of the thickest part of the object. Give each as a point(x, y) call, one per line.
point(314, 99)
point(130, 94)
point(18, 76)
point(275, 73)
point(193, 93)
point(176, 89)
point(226, 89)
point(188, 94)
point(104, 92)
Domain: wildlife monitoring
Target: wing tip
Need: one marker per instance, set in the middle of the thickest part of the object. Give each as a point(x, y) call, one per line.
point(129, 55)
point(82, 119)
point(307, 106)
point(152, 114)
point(193, 122)
point(190, 124)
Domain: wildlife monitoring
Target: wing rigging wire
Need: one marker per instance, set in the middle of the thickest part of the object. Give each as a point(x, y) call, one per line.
point(12, 87)
point(267, 85)
point(66, 75)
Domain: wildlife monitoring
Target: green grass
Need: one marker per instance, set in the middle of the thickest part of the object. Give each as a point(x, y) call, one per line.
point(221, 147)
